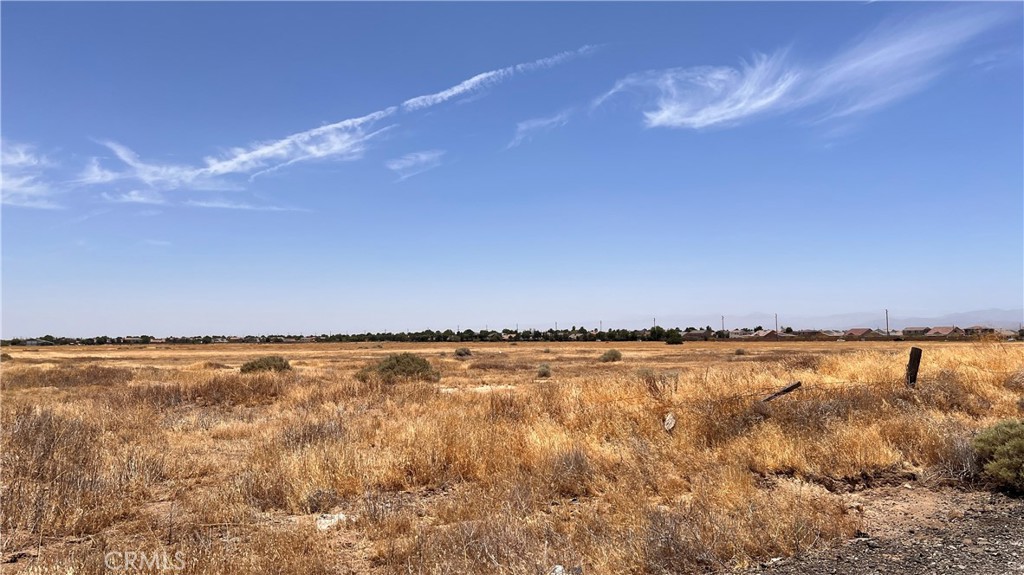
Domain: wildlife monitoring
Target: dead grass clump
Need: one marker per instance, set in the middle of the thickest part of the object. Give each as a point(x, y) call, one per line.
point(1015, 381)
point(506, 407)
point(571, 473)
point(502, 543)
point(5, 357)
point(658, 385)
point(218, 389)
point(208, 365)
point(817, 410)
point(730, 523)
point(55, 476)
point(717, 420)
point(311, 432)
point(610, 355)
point(949, 392)
point(499, 365)
point(306, 465)
point(62, 377)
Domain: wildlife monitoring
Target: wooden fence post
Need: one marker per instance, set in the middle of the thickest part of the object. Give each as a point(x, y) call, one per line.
point(912, 366)
point(781, 392)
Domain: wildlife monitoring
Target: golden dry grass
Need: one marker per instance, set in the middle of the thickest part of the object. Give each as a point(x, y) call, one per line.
point(492, 469)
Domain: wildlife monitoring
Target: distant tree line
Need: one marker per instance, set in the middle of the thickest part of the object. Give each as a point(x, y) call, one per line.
point(656, 333)
point(673, 335)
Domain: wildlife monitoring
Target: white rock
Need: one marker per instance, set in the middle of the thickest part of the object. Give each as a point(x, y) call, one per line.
point(327, 520)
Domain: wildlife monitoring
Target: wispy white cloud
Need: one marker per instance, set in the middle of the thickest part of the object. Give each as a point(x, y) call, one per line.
point(891, 63)
point(526, 129)
point(227, 205)
point(23, 179)
point(487, 79)
point(136, 197)
point(344, 140)
point(415, 163)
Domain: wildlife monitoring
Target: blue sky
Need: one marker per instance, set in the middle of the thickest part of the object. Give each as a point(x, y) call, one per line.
point(324, 167)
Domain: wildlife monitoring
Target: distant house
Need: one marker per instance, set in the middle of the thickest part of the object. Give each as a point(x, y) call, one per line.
point(915, 331)
point(808, 333)
point(133, 339)
point(37, 342)
point(951, 331)
point(860, 332)
point(979, 330)
point(739, 333)
point(765, 333)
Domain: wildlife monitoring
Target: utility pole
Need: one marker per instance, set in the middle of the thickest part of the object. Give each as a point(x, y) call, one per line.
point(723, 323)
point(600, 323)
point(886, 323)
point(776, 327)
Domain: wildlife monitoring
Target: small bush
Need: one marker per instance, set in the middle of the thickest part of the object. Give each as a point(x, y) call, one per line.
point(267, 363)
point(611, 355)
point(544, 371)
point(674, 338)
point(5, 357)
point(741, 351)
point(399, 367)
point(1001, 449)
point(463, 352)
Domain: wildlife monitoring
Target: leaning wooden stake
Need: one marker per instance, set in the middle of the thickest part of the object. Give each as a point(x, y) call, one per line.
point(781, 392)
point(912, 366)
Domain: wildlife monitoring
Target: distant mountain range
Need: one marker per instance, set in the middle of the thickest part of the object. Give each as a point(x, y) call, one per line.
point(997, 318)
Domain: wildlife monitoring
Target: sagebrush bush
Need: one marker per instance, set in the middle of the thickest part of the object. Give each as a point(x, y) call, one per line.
point(543, 371)
point(1001, 449)
point(463, 352)
point(611, 355)
point(266, 363)
point(399, 367)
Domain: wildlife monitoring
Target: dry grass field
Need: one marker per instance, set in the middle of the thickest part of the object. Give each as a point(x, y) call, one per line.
point(490, 469)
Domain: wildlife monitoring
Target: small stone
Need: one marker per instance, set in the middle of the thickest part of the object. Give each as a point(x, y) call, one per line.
point(327, 520)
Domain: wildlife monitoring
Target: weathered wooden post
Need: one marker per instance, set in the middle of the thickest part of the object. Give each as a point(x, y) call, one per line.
point(781, 392)
point(912, 366)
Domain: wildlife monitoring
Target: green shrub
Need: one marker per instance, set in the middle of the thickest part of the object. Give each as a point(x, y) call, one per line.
point(266, 363)
point(611, 355)
point(399, 367)
point(463, 352)
point(1001, 450)
point(674, 337)
point(544, 371)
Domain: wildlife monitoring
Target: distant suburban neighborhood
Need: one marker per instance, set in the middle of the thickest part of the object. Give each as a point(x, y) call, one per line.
point(671, 336)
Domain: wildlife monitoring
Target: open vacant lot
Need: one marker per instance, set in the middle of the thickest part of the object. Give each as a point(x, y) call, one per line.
point(499, 465)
